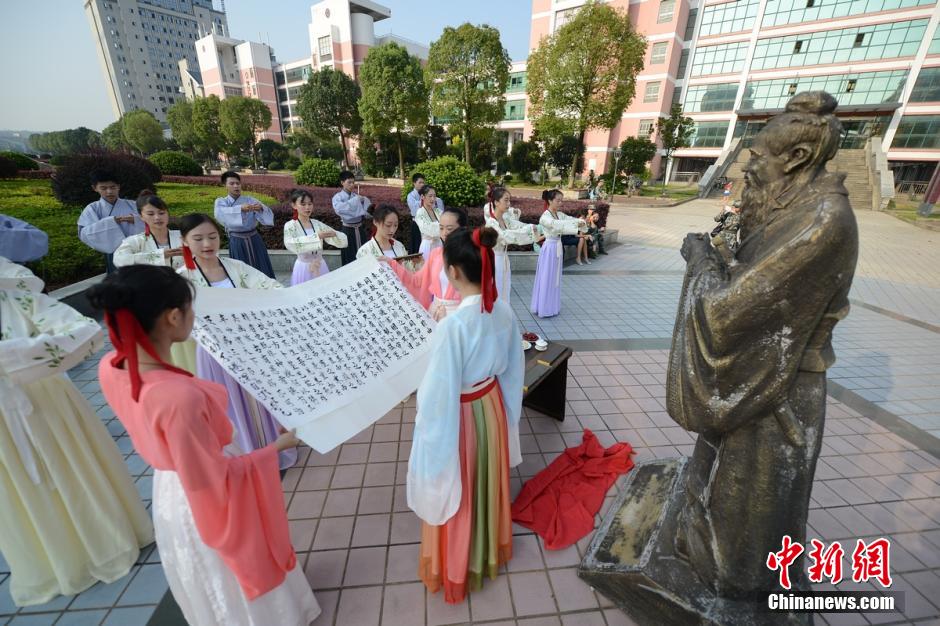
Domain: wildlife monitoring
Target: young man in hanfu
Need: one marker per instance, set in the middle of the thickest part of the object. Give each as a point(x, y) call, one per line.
point(752, 343)
point(240, 215)
point(353, 211)
point(109, 220)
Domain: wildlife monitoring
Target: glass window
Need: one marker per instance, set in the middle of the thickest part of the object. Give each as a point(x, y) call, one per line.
point(709, 134)
point(514, 110)
point(918, 131)
point(864, 88)
point(927, 87)
point(652, 92)
point(325, 48)
point(935, 44)
point(690, 24)
point(658, 53)
point(714, 97)
point(517, 82)
point(883, 41)
point(780, 12)
point(683, 64)
point(563, 17)
point(729, 17)
point(721, 59)
point(666, 9)
point(646, 128)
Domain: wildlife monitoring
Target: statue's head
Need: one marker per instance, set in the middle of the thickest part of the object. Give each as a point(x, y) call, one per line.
point(799, 140)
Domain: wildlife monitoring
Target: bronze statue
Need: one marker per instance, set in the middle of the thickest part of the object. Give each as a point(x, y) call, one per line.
point(747, 372)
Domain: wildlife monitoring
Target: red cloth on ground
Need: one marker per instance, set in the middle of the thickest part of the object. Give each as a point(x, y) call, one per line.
point(559, 503)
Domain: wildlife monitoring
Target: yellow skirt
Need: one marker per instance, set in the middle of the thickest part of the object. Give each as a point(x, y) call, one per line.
point(84, 521)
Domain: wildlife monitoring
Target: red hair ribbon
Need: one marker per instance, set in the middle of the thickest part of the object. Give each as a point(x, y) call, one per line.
point(146, 230)
point(545, 202)
point(126, 334)
point(487, 280)
point(188, 259)
point(294, 214)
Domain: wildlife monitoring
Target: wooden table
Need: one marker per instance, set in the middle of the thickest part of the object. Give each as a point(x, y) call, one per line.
point(546, 380)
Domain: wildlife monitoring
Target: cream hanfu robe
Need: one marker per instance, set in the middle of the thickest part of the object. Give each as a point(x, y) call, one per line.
point(143, 249)
point(511, 232)
point(308, 247)
point(372, 248)
point(220, 519)
point(546, 291)
point(429, 223)
point(70, 515)
point(466, 438)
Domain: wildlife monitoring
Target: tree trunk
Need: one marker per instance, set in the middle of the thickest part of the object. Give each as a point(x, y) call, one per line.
point(342, 140)
point(574, 163)
point(466, 147)
point(401, 156)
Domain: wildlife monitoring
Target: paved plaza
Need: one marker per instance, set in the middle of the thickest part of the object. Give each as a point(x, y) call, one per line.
point(878, 474)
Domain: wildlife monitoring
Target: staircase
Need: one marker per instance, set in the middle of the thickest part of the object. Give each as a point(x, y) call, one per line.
point(847, 161)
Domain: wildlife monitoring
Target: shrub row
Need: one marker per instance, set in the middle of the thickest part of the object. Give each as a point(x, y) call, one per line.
point(22, 161)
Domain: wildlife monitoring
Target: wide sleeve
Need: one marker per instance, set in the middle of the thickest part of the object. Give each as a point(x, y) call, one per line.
point(266, 216)
point(250, 277)
point(414, 202)
point(237, 502)
point(104, 235)
point(338, 240)
point(61, 337)
point(518, 234)
point(20, 241)
point(741, 331)
point(230, 216)
point(430, 229)
point(132, 251)
point(511, 383)
point(417, 283)
point(433, 487)
point(343, 208)
point(365, 250)
point(297, 242)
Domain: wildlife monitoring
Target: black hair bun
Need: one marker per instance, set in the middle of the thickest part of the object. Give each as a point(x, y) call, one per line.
point(488, 236)
point(144, 193)
point(110, 295)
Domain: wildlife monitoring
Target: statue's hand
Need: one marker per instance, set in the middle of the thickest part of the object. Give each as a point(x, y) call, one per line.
point(694, 247)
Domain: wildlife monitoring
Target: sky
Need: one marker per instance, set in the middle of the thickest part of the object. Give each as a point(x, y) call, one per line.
point(53, 80)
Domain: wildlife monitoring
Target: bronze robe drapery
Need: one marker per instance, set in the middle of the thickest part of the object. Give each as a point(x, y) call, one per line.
point(751, 346)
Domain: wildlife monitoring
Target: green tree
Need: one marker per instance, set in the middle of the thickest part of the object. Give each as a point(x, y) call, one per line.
point(525, 158)
point(394, 96)
point(180, 118)
point(240, 120)
point(328, 106)
point(207, 131)
point(674, 132)
point(636, 152)
point(584, 75)
point(269, 150)
point(112, 137)
point(435, 142)
point(69, 141)
point(142, 131)
point(562, 150)
point(467, 73)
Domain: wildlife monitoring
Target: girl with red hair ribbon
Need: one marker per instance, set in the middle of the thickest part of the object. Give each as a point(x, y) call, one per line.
point(466, 433)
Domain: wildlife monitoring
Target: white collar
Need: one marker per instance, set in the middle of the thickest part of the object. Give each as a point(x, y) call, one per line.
point(470, 300)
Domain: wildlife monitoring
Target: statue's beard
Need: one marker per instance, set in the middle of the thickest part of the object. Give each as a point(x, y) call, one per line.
point(757, 202)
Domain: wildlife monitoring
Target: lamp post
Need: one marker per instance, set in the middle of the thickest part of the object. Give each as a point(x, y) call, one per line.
point(618, 152)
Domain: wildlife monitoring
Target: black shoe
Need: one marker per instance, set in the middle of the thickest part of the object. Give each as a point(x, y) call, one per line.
point(604, 252)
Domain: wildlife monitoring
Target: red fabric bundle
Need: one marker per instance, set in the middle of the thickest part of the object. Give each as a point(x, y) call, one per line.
point(560, 502)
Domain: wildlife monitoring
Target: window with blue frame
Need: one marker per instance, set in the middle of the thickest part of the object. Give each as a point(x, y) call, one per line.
point(780, 12)
point(714, 97)
point(864, 88)
point(709, 134)
point(721, 59)
point(730, 17)
point(918, 131)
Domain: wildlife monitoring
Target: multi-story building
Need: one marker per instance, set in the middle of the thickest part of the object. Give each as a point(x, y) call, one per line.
point(231, 67)
point(733, 64)
point(140, 43)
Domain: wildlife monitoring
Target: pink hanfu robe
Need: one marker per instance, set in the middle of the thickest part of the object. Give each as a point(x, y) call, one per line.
point(429, 285)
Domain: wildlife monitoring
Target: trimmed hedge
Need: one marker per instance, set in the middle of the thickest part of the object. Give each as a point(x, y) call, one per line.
point(22, 161)
point(455, 182)
point(71, 183)
point(7, 167)
point(35, 174)
point(174, 162)
point(318, 172)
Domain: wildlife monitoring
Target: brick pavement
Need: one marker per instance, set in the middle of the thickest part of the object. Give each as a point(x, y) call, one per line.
point(357, 541)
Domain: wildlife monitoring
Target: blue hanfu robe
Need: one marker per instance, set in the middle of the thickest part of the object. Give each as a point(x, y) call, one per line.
point(244, 242)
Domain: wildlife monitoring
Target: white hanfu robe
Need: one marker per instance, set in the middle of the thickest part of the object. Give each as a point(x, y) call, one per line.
point(511, 232)
point(70, 515)
point(372, 248)
point(308, 245)
point(143, 249)
point(15, 276)
point(97, 228)
point(243, 275)
point(468, 346)
point(429, 223)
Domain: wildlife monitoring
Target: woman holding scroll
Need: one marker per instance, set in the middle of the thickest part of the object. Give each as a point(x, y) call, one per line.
point(219, 515)
point(305, 236)
point(254, 426)
point(466, 433)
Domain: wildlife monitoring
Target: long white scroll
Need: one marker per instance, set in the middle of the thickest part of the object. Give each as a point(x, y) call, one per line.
point(328, 357)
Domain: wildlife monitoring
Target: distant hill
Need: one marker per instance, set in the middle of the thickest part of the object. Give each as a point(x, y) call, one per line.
point(16, 140)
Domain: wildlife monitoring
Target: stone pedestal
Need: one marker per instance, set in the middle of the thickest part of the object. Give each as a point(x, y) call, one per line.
point(632, 559)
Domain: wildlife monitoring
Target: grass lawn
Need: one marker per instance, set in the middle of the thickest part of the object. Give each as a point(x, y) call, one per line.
point(674, 191)
point(69, 260)
point(906, 209)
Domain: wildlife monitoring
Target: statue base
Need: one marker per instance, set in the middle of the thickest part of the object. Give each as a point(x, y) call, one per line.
point(632, 559)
